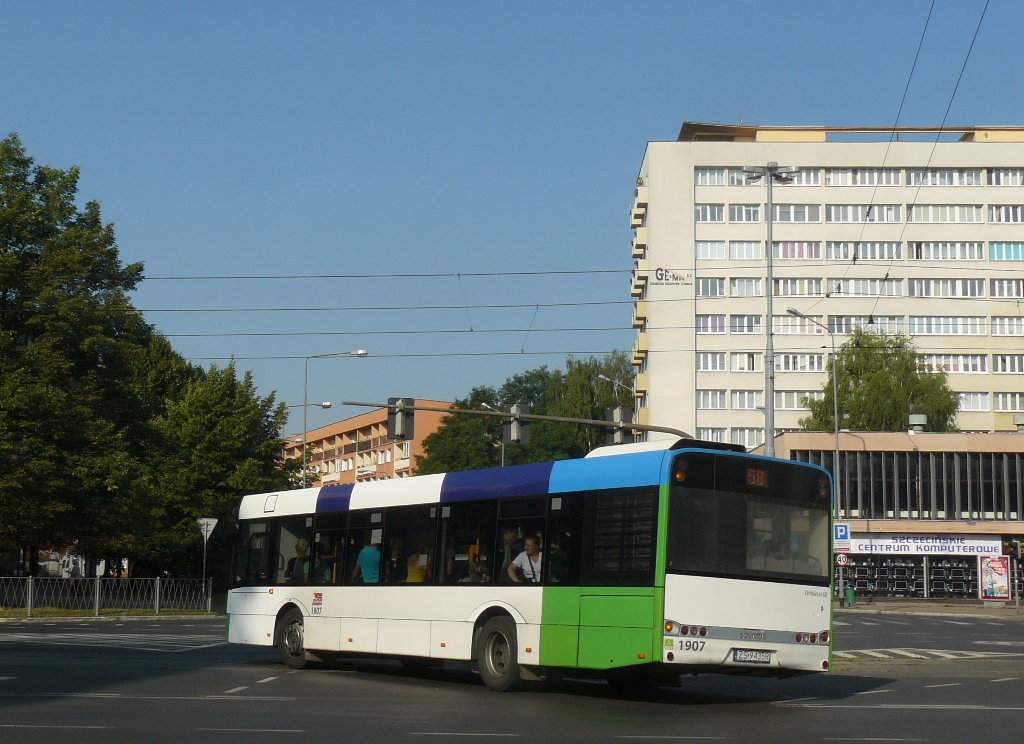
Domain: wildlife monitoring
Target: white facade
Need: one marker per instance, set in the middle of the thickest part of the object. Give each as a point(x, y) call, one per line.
point(912, 236)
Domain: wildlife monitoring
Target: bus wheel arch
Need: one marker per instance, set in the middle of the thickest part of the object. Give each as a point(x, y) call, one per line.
point(289, 637)
point(496, 649)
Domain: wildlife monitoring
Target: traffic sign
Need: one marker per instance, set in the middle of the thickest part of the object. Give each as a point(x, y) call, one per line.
point(842, 559)
point(206, 525)
point(840, 537)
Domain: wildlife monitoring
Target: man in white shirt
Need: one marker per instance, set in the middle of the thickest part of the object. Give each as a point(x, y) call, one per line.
point(526, 566)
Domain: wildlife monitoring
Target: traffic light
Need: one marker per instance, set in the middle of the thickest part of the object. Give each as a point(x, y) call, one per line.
point(1015, 549)
point(515, 430)
point(400, 418)
point(618, 434)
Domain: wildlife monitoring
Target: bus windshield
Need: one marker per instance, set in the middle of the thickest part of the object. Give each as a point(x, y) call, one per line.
point(736, 517)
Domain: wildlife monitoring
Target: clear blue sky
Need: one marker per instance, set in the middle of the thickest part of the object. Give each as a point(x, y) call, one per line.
point(447, 137)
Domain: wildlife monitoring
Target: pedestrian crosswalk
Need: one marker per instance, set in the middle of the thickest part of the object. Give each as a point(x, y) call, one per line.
point(918, 654)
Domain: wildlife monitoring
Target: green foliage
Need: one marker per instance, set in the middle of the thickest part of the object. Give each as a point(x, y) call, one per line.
point(109, 440)
point(468, 442)
point(880, 383)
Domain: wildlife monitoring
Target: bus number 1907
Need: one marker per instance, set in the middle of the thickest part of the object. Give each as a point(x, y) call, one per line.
point(691, 645)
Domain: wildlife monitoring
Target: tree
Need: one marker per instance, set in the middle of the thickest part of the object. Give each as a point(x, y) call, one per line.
point(881, 382)
point(467, 442)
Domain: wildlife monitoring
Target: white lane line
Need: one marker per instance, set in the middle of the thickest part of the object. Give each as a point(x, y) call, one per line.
point(461, 733)
point(896, 622)
point(265, 680)
point(1007, 679)
point(872, 692)
point(948, 684)
point(4, 679)
point(867, 623)
point(901, 652)
point(944, 655)
point(875, 654)
point(235, 689)
point(257, 731)
point(953, 622)
point(691, 738)
point(895, 706)
point(843, 655)
point(867, 738)
point(103, 696)
point(998, 625)
point(45, 726)
point(839, 622)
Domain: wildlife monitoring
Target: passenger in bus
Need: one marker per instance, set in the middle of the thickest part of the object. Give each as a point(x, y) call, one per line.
point(477, 574)
point(418, 566)
point(297, 570)
point(510, 549)
point(526, 566)
point(367, 570)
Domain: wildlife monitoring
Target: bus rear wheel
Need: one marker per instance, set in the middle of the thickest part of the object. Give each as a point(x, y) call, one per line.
point(289, 636)
point(497, 655)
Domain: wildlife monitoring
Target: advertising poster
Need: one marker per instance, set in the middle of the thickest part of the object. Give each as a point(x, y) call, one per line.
point(994, 572)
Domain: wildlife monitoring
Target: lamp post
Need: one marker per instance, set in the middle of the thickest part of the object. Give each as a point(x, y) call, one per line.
point(835, 396)
point(606, 378)
point(783, 174)
point(492, 408)
point(305, 397)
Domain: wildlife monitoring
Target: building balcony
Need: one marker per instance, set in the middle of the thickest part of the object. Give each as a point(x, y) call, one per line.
point(640, 348)
point(643, 416)
point(640, 197)
point(636, 218)
point(640, 385)
point(639, 280)
point(639, 314)
point(330, 478)
point(639, 243)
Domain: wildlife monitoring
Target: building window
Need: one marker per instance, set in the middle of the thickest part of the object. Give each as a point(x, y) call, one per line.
point(795, 400)
point(1006, 213)
point(1007, 288)
point(747, 400)
point(1007, 326)
point(711, 400)
point(796, 212)
point(744, 323)
point(848, 251)
point(945, 213)
point(1009, 402)
point(944, 177)
point(943, 251)
point(946, 287)
point(745, 287)
point(744, 213)
point(1006, 251)
point(862, 177)
point(875, 323)
point(804, 177)
point(710, 324)
point(955, 363)
point(865, 287)
point(929, 325)
point(711, 250)
point(406, 450)
point(974, 402)
point(746, 361)
point(845, 213)
point(790, 325)
point(797, 287)
point(710, 287)
point(749, 438)
point(709, 213)
point(709, 176)
point(711, 435)
point(738, 178)
point(796, 250)
point(711, 361)
point(799, 363)
point(1008, 363)
point(1006, 177)
point(745, 250)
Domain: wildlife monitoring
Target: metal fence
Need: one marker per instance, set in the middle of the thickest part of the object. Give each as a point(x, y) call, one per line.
point(104, 596)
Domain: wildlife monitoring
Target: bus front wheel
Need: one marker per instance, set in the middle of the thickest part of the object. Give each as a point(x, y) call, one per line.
point(290, 639)
point(498, 653)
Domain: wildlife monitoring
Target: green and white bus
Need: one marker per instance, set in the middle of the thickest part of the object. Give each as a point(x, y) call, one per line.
point(657, 559)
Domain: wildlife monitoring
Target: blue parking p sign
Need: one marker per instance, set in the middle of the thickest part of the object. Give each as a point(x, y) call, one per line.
point(842, 532)
point(841, 537)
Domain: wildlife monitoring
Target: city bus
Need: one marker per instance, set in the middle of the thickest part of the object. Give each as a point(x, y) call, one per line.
point(639, 561)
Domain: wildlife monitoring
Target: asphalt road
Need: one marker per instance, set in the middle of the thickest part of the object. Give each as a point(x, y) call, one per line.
point(175, 680)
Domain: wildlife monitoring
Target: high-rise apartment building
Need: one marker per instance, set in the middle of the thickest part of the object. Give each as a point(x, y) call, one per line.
point(911, 231)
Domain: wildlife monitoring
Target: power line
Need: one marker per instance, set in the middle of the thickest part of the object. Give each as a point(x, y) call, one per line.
point(389, 275)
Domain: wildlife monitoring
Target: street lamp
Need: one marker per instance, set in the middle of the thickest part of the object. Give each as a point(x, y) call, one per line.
point(835, 396)
point(305, 397)
point(492, 408)
point(606, 378)
point(783, 174)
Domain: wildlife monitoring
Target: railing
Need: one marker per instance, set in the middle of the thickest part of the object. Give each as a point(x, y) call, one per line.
point(104, 596)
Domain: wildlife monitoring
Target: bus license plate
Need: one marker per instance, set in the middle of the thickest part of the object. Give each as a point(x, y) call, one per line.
point(751, 656)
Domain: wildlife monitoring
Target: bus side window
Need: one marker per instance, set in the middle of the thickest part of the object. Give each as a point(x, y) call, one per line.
point(329, 557)
point(466, 533)
point(564, 543)
point(363, 547)
point(294, 543)
point(410, 537)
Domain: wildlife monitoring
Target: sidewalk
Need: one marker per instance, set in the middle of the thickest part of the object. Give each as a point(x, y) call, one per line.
point(936, 607)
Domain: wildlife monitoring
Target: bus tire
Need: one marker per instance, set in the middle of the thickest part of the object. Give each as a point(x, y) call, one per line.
point(497, 655)
point(289, 637)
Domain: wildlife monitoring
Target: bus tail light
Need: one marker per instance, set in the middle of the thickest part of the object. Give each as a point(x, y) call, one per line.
point(669, 626)
point(702, 632)
point(799, 637)
point(823, 636)
point(824, 665)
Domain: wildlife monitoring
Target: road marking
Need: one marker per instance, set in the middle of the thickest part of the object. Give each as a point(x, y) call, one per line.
point(876, 654)
point(45, 726)
point(871, 692)
point(908, 654)
point(953, 622)
point(896, 622)
point(257, 731)
point(800, 700)
point(868, 738)
point(235, 689)
point(895, 706)
point(839, 622)
point(1007, 679)
point(458, 733)
point(4, 679)
point(265, 680)
point(998, 625)
point(864, 622)
point(691, 738)
point(134, 641)
point(948, 684)
point(106, 696)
